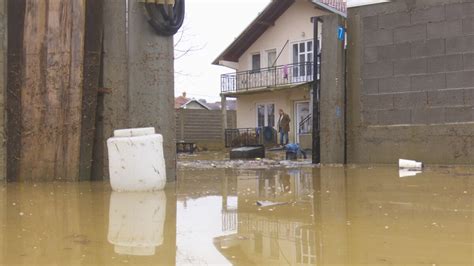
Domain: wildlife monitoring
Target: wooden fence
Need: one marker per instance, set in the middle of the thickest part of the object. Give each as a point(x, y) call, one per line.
point(202, 126)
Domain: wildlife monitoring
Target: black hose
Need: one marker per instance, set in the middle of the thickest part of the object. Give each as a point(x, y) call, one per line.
point(166, 20)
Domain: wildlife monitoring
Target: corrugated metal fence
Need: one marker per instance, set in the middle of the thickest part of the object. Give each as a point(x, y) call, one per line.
point(202, 125)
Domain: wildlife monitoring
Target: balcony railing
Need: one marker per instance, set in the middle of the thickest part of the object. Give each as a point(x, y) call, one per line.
point(267, 77)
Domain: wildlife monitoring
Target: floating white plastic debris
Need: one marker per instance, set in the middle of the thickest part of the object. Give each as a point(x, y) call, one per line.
point(266, 203)
point(410, 165)
point(136, 160)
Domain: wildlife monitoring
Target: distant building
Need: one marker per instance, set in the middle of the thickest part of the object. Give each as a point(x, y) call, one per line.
point(182, 102)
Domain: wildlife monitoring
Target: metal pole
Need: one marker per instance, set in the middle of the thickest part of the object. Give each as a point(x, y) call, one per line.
point(316, 147)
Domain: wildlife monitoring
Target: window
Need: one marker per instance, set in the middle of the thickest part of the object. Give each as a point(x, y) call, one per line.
point(302, 54)
point(255, 63)
point(266, 115)
point(271, 58)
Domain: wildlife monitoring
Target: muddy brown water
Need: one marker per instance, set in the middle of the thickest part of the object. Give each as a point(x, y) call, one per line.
point(328, 216)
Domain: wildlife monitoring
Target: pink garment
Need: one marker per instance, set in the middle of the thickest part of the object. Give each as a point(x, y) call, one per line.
point(285, 71)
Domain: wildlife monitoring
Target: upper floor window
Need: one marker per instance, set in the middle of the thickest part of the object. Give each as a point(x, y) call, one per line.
point(256, 63)
point(302, 54)
point(271, 58)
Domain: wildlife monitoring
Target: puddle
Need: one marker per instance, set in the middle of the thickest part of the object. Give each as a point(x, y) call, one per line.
point(311, 216)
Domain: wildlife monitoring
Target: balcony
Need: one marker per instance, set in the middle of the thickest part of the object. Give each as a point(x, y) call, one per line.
point(267, 78)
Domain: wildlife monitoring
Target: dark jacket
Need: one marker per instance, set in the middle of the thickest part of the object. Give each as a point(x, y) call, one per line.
point(284, 124)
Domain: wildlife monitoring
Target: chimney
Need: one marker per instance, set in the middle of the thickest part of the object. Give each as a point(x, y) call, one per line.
point(184, 94)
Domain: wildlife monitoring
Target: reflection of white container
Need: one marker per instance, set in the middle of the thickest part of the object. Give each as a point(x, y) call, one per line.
point(136, 160)
point(136, 222)
point(410, 165)
point(408, 173)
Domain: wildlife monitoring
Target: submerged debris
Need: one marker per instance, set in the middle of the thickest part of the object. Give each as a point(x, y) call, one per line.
point(243, 164)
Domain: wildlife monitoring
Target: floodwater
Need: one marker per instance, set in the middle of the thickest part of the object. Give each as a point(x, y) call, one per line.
point(311, 216)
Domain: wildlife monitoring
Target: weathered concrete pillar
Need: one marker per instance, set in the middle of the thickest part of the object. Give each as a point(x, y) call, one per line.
point(139, 70)
point(3, 81)
point(332, 92)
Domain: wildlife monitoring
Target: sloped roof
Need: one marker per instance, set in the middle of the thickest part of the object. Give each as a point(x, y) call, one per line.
point(196, 101)
point(265, 20)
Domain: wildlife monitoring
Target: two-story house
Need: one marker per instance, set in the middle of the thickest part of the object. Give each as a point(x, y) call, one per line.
point(273, 60)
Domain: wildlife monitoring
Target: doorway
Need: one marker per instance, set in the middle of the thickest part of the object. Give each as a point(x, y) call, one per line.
point(302, 119)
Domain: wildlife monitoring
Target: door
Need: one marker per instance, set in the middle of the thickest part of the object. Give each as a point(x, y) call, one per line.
point(303, 121)
point(266, 115)
point(302, 58)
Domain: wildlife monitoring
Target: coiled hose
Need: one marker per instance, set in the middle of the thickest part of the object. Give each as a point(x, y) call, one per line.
point(164, 18)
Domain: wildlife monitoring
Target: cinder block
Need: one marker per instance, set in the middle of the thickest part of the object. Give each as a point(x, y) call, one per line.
point(468, 61)
point(460, 10)
point(429, 82)
point(395, 20)
point(462, 79)
point(469, 97)
point(458, 114)
point(377, 102)
point(446, 63)
point(427, 15)
point(370, 86)
point(410, 66)
point(468, 26)
point(461, 44)
point(445, 29)
point(446, 98)
point(392, 52)
point(394, 84)
point(410, 100)
point(394, 117)
point(410, 34)
point(370, 23)
point(428, 48)
point(370, 54)
point(428, 116)
point(377, 70)
point(377, 37)
point(369, 117)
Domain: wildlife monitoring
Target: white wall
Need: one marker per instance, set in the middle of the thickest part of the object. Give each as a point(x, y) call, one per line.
point(294, 25)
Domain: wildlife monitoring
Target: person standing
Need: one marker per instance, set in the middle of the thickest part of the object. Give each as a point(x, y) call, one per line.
point(283, 127)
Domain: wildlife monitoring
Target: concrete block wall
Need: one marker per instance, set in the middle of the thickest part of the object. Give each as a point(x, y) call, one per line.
point(418, 62)
point(410, 82)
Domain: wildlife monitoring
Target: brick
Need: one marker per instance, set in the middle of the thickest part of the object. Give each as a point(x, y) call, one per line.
point(444, 29)
point(378, 70)
point(370, 86)
point(377, 102)
point(468, 61)
point(394, 84)
point(462, 79)
point(428, 116)
point(378, 37)
point(410, 100)
point(395, 20)
point(394, 117)
point(370, 54)
point(410, 34)
point(458, 114)
point(428, 82)
point(410, 66)
point(461, 10)
point(428, 48)
point(427, 15)
point(446, 63)
point(446, 98)
point(468, 26)
point(460, 44)
point(391, 52)
point(370, 23)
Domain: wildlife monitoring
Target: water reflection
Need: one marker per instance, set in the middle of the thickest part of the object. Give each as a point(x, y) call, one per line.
point(136, 222)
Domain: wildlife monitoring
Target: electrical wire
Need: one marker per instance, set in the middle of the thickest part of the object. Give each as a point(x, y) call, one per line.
point(166, 19)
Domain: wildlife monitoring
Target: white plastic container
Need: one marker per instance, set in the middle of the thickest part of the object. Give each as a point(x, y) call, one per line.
point(410, 165)
point(136, 160)
point(136, 222)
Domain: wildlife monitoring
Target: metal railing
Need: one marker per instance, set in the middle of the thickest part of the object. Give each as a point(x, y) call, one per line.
point(306, 125)
point(240, 137)
point(267, 77)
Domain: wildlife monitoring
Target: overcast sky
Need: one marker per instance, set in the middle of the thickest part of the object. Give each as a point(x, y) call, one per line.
point(210, 26)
